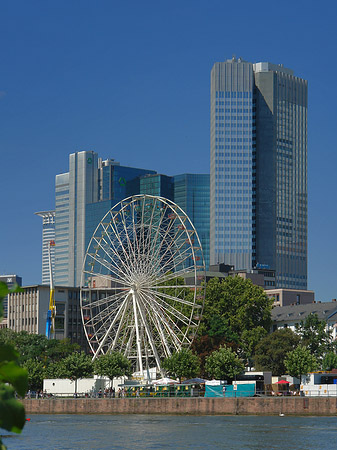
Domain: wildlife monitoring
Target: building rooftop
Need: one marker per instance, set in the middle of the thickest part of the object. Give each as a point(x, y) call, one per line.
point(324, 311)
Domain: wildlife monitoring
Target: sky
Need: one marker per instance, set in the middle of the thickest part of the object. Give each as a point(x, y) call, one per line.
point(131, 81)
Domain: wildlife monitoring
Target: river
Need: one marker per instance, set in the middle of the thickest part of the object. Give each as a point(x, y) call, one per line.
point(154, 432)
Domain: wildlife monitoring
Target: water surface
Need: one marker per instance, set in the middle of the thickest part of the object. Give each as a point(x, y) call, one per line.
point(134, 432)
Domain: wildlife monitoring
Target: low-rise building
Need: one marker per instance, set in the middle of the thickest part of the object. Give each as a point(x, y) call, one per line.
point(11, 281)
point(27, 311)
point(319, 384)
point(291, 315)
point(286, 297)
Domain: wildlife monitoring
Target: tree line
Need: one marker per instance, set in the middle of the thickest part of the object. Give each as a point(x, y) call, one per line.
point(234, 335)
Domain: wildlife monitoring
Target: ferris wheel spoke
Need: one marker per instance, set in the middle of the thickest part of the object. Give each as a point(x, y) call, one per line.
point(167, 322)
point(158, 227)
point(120, 326)
point(101, 316)
point(130, 246)
point(109, 298)
point(172, 311)
point(115, 249)
point(164, 236)
point(141, 246)
point(114, 320)
point(161, 325)
point(110, 266)
point(147, 240)
point(106, 277)
point(167, 310)
point(168, 276)
point(176, 299)
point(148, 333)
point(129, 344)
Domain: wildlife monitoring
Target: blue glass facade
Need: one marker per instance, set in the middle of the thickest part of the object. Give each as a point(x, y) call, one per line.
point(232, 159)
point(259, 169)
point(82, 197)
point(191, 193)
point(160, 185)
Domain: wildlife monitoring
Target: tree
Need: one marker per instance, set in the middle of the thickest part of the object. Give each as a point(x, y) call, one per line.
point(182, 364)
point(329, 361)
point(300, 362)
point(315, 336)
point(272, 350)
point(36, 374)
point(112, 365)
point(235, 314)
point(224, 364)
point(249, 342)
point(75, 366)
point(12, 379)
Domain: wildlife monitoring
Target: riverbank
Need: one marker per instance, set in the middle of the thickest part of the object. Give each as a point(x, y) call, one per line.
point(315, 406)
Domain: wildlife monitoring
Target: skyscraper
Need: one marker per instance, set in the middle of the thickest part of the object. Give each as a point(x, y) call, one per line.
point(191, 193)
point(48, 234)
point(82, 197)
point(258, 193)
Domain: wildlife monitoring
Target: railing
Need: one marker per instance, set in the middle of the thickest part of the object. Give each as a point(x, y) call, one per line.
point(170, 394)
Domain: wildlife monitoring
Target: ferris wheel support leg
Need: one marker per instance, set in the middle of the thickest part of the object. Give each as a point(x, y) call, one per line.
point(139, 350)
point(149, 336)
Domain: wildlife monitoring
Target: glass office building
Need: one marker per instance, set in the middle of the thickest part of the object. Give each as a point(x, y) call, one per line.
point(258, 193)
point(191, 193)
point(160, 185)
point(82, 197)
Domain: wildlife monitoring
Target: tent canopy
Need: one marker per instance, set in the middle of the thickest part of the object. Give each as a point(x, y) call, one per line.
point(166, 381)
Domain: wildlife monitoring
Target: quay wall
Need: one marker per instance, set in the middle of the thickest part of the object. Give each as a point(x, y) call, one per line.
point(316, 406)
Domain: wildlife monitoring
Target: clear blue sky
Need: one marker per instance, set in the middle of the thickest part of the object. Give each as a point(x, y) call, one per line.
point(130, 80)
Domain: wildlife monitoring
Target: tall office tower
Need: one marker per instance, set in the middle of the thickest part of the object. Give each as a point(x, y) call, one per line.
point(259, 169)
point(82, 197)
point(48, 234)
point(191, 193)
point(161, 185)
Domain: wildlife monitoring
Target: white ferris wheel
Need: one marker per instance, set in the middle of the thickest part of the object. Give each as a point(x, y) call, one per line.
point(143, 281)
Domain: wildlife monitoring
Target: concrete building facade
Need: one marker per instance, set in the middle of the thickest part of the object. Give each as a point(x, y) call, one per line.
point(27, 311)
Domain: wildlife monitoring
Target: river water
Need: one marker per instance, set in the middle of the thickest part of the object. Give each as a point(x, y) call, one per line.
point(154, 432)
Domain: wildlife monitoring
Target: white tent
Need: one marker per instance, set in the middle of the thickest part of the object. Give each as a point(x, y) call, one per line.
point(166, 381)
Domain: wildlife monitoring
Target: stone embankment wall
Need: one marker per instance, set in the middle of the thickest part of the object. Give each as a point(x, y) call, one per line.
point(193, 406)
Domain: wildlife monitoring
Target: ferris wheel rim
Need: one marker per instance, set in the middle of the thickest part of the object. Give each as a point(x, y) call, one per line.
point(150, 304)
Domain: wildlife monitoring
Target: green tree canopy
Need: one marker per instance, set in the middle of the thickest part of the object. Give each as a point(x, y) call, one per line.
point(236, 313)
point(300, 362)
point(12, 379)
point(224, 364)
point(112, 365)
point(182, 364)
point(77, 365)
point(238, 303)
point(315, 335)
point(329, 361)
point(272, 350)
point(36, 374)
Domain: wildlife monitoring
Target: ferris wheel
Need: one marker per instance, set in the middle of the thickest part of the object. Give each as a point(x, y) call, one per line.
point(143, 281)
